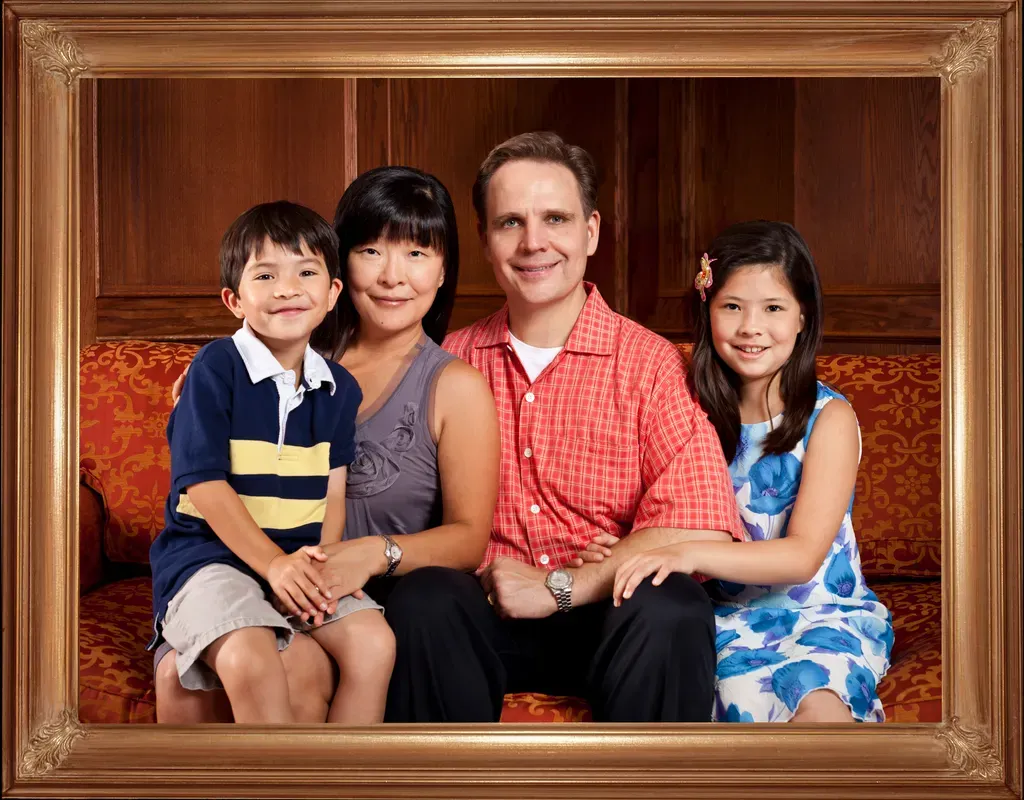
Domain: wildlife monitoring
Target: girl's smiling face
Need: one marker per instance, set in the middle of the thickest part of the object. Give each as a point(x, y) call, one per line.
point(755, 319)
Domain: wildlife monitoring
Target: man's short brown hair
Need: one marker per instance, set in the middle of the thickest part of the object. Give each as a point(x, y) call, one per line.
point(537, 146)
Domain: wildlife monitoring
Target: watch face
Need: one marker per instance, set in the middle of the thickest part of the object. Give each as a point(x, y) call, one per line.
point(559, 579)
point(396, 551)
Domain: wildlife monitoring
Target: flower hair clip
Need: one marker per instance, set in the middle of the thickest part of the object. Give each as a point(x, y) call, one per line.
point(704, 280)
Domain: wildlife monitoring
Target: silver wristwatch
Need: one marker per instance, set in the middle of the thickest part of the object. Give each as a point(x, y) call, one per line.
point(393, 553)
point(559, 583)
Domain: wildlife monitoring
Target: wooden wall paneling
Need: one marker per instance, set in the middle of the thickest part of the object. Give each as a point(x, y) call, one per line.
point(645, 166)
point(373, 114)
point(89, 209)
point(724, 155)
point(179, 159)
point(447, 127)
point(866, 165)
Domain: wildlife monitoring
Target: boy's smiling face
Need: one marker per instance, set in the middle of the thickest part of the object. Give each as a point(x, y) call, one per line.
point(283, 295)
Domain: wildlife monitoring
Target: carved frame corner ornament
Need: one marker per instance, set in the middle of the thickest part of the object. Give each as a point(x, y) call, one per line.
point(966, 50)
point(51, 744)
point(54, 51)
point(971, 751)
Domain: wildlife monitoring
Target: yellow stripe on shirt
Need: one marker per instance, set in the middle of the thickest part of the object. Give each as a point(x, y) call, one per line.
point(254, 457)
point(275, 513)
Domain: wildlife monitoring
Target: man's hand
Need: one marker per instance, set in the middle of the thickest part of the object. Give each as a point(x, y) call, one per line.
point(350, 564)
point(297, 584)
point(517, 590)
point(599, 548)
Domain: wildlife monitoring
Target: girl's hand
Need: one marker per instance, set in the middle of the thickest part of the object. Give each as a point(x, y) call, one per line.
point(597, 551)
point(660, 563)
point(178, 385)
point(297, 583)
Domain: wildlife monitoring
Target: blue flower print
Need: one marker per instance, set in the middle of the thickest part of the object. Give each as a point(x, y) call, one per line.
point(775, 623)
point(744, 661)
point(733, 714)
point(723, 638)
point(860, 685)
point(795, 680)
point(754, 531)
point(726, 611)
point(839, 577)
point(774, 481)
point(742, 446)
point(831, 640)
point(799, 594)
point(878, 633)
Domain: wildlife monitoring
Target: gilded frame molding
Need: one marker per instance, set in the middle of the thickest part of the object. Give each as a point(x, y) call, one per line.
point(972, 46)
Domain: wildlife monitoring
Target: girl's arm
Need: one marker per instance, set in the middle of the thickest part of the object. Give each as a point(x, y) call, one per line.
point(467, 459)
point(828, 477)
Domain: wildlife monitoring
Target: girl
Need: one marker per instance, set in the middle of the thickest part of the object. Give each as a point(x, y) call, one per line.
point(800, 635)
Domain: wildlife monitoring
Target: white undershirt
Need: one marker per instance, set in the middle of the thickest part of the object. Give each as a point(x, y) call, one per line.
point(533, 359)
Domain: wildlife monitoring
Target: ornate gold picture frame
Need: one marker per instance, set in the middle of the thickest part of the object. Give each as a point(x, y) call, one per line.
point(972, 46)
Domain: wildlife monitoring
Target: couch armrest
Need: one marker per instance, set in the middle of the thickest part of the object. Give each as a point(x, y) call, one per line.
point(90, 537)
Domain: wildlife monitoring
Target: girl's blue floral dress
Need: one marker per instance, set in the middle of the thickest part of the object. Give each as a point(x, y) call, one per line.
point(776, 644)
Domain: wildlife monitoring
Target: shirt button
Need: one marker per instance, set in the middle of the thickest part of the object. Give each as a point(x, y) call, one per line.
point(535, 509)
point(544, 559)
point(530, 397)
point(528, 452)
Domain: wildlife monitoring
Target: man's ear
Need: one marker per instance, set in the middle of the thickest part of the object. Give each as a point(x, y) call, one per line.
point(230, 299)
point(593, 231)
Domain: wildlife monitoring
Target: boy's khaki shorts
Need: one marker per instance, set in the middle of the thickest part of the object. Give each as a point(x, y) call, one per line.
point(219, 599)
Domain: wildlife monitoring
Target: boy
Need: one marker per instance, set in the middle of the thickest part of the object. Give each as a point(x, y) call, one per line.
point(260, 443)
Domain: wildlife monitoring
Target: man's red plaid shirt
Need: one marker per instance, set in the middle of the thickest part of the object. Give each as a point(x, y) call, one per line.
point(607, 439)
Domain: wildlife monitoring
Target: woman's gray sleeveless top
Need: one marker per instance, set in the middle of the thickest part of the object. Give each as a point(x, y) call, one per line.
point(393, 483)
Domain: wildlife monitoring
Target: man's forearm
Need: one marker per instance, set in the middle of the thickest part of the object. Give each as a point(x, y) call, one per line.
point(593, 582)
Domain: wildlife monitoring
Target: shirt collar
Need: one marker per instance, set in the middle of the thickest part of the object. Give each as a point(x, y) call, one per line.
point(261, 364)
point(593, 333)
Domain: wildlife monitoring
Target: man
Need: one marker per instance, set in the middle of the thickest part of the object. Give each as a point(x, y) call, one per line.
point(600, 438)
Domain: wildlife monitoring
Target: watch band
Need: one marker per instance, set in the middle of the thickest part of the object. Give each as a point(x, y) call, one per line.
point(564, 598)
point(389, 547)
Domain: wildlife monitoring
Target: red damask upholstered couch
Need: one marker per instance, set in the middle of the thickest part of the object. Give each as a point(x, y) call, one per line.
point(125, 403)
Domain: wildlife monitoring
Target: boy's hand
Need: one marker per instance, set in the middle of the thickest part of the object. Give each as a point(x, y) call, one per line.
point(597, 551)
point(660, 563)
point(179, 384)
point(297, 584)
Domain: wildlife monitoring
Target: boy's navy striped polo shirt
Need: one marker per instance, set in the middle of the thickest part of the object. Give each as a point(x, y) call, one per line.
point(226, 427)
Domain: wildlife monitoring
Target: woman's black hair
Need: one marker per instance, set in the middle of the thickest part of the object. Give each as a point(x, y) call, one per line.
point(767, 244)
point(393, 204)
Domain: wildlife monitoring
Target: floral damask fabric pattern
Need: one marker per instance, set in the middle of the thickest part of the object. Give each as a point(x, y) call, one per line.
point(125, 404)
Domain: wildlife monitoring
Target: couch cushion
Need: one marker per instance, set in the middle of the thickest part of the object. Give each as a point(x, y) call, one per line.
point(115, 680)
point(125, 403)
point(912, 688)
point(897, 507)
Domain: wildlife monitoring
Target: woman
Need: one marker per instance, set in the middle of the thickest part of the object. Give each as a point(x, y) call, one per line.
point(427, 437)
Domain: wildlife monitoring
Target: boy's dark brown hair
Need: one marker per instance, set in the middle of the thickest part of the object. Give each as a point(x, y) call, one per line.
point(537, 146)
point(287, 225)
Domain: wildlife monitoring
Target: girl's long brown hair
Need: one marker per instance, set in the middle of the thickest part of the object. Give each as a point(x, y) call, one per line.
point(716, 386)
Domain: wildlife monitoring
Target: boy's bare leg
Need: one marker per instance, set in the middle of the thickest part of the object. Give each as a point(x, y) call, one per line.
point(311, 682)
point(249, 665)
point(311, 678)
point(176, 705)
point(363, 647)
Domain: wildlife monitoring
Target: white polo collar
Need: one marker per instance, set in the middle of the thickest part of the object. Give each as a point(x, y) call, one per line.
point(261, 364)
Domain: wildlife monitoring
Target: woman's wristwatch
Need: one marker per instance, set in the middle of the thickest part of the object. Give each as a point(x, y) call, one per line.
point(393, 553)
